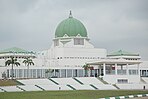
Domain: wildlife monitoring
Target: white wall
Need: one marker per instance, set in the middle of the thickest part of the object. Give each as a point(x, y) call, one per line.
point(69, 42)
point(144, 65)
point(78, 56)
point(113, 78)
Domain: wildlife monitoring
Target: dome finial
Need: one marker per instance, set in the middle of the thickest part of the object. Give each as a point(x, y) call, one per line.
point(70, 14)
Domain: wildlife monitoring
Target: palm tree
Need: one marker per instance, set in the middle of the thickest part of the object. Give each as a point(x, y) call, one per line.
point(27, 63)
point(12, 61)
point(49, 71)
point(91, 69)
point(86, 68)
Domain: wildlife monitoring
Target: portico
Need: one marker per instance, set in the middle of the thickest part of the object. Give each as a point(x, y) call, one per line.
point(117, 68)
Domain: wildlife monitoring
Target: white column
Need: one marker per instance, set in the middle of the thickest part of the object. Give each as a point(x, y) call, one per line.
point(77, 72)
point(36, 73)
point(141, 72)
point(72, 72)
point(66, 73)
point(138, 69)
point(121, 69)
point(60, 72)
point(16, 73)
point(54, 72)
point(104, 69)
point(100, 70)
point(116, 68)
point(32, 73)
point(42, 73)
point(127, 70)
point(10, 73)
point(28, 73)
point(23, 73)
point(83, 72)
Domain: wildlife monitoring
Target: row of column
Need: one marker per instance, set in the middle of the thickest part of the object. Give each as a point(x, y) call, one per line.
point(116, 68)
point(39, 73)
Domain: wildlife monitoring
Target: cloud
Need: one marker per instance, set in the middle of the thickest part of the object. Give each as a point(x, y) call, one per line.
point(111, 24)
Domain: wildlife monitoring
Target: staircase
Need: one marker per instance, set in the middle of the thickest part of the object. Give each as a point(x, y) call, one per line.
point(144, 82)
point(20, 88)
point(71, 87)
point(53, 81)
point(116, 86)
point(3, 90)
point(40, 87)
point(19, 83)
point(94, 86)
point(101, 79)
point(78, 81)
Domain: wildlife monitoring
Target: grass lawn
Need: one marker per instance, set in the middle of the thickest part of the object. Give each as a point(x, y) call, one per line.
point(8, 82)
point(86, 94)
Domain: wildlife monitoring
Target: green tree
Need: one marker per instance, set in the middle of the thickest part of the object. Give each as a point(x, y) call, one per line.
point(27, 63)
point(12, 61)
point(48, 72)
point(86, 68)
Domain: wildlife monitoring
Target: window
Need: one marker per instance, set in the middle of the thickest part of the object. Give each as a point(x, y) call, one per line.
point(34, 73)
point(122, 80)
point(75, 73)
point(56, 43)
point(38, 73)
point(133, 72)
point(81, 73)
point(78, 41)
point(63, 72)
point(20, 73)
point(69, 72)
point(25, 73)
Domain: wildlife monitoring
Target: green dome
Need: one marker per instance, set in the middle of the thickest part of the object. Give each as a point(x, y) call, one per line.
point(71, 27)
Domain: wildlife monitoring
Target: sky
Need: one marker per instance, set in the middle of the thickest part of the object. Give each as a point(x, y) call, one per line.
point(111, 24)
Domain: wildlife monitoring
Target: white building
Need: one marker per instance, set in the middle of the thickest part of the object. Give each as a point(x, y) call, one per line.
point(70, 51)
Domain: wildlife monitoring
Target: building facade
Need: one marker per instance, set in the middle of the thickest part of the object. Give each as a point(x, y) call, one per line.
point(71, 49)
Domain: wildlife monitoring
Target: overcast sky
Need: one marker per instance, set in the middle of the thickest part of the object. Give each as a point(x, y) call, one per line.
point(111, 24)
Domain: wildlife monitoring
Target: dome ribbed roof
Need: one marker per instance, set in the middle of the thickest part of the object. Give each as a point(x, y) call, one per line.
point(71, 27)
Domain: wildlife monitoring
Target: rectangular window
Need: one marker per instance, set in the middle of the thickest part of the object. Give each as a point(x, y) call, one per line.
point(133, 72)
point(34, 73)
point(81, 73)
point(56, 43)
point(25, 73)
point(38, 73)
point(20, 73)
point(78, 41)
point(122, 80)
point(63, 72)
point(69, 72)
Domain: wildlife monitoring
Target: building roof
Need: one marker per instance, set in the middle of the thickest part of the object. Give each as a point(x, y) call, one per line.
point(70, 27)
point(15, 50)
point(122, 53)
point(114, 61)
